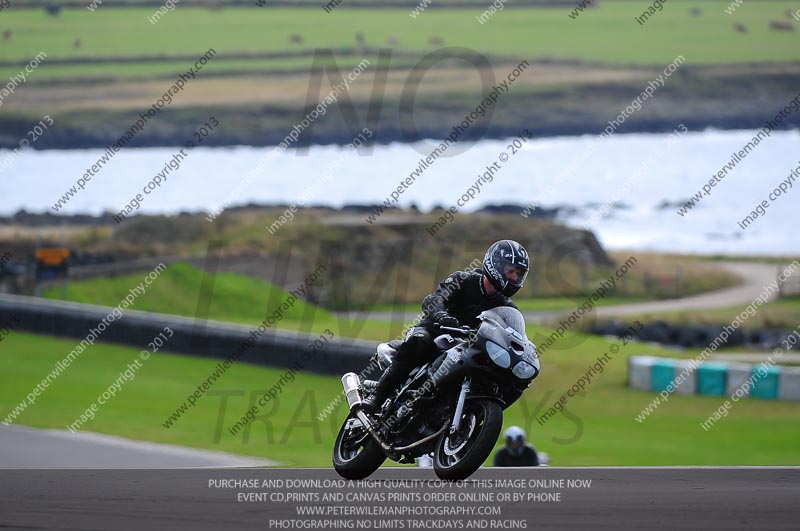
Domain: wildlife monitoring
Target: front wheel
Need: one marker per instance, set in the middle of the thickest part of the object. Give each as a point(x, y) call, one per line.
point(458, 455)
point(356, 454)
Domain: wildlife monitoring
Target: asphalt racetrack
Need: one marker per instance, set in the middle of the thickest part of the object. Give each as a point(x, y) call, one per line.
point(403, 498)
point(24, 447)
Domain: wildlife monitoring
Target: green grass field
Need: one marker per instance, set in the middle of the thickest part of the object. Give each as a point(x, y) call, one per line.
point(608, 34)
point(541, 304)
point(236, 298)
point(242, 299)
point(781, 313)
point(599, 428)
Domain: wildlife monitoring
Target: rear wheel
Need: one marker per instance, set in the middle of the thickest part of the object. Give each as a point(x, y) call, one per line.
point(460, 454)
point(356, 454)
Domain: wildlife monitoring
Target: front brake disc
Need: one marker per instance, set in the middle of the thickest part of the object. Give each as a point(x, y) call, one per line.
point(457, 438)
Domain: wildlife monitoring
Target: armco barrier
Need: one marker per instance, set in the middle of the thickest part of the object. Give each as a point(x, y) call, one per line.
point(211, 339)
point(713, 378)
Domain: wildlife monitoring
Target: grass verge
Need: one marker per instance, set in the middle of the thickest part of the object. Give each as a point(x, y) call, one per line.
point(598, 428)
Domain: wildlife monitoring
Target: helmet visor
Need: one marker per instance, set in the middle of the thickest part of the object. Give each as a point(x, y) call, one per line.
point(515, 274)
point(516, 439)
point(514, 269)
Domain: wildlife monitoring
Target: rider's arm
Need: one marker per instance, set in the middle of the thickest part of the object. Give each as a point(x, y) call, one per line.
point(438, 301)
point(534, 456)
point(499, 458)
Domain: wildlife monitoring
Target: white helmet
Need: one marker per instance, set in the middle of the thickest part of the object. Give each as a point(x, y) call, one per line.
point(515, 439)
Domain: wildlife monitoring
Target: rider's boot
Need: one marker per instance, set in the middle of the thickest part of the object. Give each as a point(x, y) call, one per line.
point(390, 379)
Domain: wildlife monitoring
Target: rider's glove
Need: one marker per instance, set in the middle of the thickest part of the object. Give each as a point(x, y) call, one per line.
point(445, 319)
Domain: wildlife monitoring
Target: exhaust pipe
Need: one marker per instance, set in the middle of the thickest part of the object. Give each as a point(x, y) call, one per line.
point(388, 450)
point(351, 385)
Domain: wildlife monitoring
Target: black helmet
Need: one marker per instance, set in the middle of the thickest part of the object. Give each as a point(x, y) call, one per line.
point(502, 258)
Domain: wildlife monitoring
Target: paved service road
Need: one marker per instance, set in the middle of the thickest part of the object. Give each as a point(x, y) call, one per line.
point(22, 447)
point(214, 499)
point(755, 276)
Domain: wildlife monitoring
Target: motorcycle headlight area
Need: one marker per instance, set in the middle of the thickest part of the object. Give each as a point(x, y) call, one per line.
point(498, 354)
point(523, 370)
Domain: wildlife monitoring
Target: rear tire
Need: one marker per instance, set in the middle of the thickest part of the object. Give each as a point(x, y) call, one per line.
point(458, 456)
point(356, 454)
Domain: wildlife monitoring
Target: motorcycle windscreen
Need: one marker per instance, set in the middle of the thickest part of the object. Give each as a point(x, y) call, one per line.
point(501, 322)
point(508, 317)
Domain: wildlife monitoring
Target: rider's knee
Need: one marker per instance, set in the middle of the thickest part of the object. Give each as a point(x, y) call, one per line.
point(415, 345)
point(421, 339)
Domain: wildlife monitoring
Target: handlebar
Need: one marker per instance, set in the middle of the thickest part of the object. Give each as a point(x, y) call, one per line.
point(464, 330)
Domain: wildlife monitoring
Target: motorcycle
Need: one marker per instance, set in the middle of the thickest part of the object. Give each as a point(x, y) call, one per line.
point(451, 407)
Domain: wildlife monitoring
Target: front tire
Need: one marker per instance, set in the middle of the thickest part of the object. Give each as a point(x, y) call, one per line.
point(356, 454)
point(457, 456)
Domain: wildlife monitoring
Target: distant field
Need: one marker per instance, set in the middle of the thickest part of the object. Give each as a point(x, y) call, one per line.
point(782, 314)
point(599, 428)
point(243, 299)
point(542, 304)
point(236, 298)
point(85, 72)
point(608, 34)
point(581, 72)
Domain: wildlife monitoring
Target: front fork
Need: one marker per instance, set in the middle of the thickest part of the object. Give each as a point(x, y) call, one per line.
point(462, 397)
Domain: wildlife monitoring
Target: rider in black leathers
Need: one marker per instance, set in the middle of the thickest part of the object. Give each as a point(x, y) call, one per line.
point(458, 300)
point(516, 452)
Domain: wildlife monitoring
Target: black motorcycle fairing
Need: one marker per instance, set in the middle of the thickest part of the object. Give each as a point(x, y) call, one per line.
point(501, 333)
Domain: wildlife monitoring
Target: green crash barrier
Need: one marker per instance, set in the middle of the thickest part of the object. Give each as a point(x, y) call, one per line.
point(712, 378)
point(765, 382)
point(662, 373)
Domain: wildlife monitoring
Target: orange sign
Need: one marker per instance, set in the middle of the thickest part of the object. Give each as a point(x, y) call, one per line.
point(52, 256)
